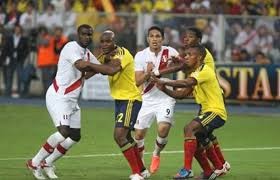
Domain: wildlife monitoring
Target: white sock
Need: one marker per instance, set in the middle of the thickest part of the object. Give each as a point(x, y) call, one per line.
point(60, 150)
point(47, 148)
point(159, 145)
point(140, 145)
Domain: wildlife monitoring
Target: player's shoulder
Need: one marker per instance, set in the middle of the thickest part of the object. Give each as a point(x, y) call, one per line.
point(71, 45)
point(169, 48)
point(172, 50)
point(206, 68)
point(122, 51)
point(142, 53)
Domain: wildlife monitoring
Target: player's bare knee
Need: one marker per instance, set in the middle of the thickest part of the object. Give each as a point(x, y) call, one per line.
point(139, 136)
point(64, 131)
point(213, 138)
point(120, 138)
point(75, 134)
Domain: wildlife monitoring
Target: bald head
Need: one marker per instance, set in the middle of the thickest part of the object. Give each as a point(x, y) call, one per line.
point(109, 33)
point(107, 41)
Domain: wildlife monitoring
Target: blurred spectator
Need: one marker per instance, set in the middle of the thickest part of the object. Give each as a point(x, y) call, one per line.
point(182, 6)
point(2, 43)
point(15, 51)
point(2, 14)
point(141, 6)
point(163, 6)
point(49, 18)
point(69, 19)
point(171, 37)
point(235, 7)
point(59, 5)
point(124, 29)
point(261, 58)
point(59, 41)
point(13, 16)
point(28, 20)
point(199, 6)
point(235, 55)
point(22, 5)
point(88, 15)
point(263, 40)
point(245, 56)
point(245, 37)
point(46, 57)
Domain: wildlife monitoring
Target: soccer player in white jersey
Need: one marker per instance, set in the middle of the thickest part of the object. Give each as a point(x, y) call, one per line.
point(155, 104)
point(75, 64)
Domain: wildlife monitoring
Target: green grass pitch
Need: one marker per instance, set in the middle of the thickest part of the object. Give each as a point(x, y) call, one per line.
point(250, 142)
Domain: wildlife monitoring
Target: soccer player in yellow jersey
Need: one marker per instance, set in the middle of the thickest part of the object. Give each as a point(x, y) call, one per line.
point(193, 37)
point(202, 82)
point(127, 98)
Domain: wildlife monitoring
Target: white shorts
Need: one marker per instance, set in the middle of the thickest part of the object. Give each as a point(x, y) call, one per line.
point(162, 112)
point(63, 111)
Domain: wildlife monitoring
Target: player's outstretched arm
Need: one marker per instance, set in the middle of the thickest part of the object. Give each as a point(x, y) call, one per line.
point(177, 64)
point(177, 94)
point(89, 74)
point(108, 69)
point(172, 68)
point(185, 83)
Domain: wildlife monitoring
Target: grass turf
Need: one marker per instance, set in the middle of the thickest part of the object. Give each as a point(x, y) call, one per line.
point(25, 128)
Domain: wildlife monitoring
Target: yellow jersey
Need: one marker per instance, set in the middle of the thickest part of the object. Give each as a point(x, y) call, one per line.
point(207, 92)
point(123, 83)
point(209, 60)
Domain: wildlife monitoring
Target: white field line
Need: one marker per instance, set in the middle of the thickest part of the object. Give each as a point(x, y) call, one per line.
point(163, 152)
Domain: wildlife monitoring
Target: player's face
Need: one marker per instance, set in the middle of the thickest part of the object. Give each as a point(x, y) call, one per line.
point(155, 39)
point(192, 57)
point(190, 39)
point(107, 43)
point(85, 37)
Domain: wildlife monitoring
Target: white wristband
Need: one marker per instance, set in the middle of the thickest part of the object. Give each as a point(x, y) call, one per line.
point(156, 72)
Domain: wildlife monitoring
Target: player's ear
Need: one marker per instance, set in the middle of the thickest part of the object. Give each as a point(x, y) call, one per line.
point(147, 39)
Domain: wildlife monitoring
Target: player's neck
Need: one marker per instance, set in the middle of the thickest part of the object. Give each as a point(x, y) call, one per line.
point(155, 50)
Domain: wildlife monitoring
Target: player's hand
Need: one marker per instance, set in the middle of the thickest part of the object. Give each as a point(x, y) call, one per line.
point(114, 62)
point(160, 86)
point(150, 67)
point(176, 59)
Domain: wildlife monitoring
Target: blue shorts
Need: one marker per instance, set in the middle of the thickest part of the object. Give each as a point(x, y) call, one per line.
point(126, 112)
point(210, 121)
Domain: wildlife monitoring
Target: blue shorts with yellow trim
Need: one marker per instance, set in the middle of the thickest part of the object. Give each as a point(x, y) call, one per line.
point(126, 112)
point(210, 121)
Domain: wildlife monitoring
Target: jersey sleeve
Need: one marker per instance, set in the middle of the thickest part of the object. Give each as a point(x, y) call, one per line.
point(93, 59)
point(73, 53)
point(205, 74)
point(138, 59)
point(173, 52)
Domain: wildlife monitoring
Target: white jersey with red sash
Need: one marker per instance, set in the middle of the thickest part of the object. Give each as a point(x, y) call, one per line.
point(69, 80)
point(150, 91)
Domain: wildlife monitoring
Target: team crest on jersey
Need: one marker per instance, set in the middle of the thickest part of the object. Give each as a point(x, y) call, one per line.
point(164, 57)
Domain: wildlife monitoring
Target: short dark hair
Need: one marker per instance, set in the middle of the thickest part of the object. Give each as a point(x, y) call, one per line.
point(201, 50)
point(86, 26)
point(196, 31)
point(156, 28)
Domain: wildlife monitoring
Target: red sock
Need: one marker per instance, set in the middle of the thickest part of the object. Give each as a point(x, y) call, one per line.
point(130, 156)
point(211, 154)
point(201, 157)
point(219, 152)
point(189, 150)
point(138, 157)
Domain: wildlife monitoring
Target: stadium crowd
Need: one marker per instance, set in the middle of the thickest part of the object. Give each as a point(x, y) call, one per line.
point(46, 25)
